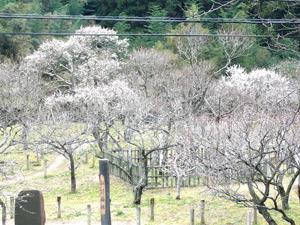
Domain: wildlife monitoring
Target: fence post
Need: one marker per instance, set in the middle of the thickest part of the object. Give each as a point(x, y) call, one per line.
point(192, 217)
point(202, 215)
point(152, 209)
point(45, 168)
point(12, 207)
point(89, 215)
point(86, 160)
point(138, 215)
point(59, 207)
point(104, 192)
point(255, 215)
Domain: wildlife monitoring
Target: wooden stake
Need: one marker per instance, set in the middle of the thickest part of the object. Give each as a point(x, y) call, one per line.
point(89, 215)
point(192, 217)
point(86, 160)
point(27, 162)
point(45, 168)
point(59, 207)
point(12, 207)
point(152, 209)
point(202, 210)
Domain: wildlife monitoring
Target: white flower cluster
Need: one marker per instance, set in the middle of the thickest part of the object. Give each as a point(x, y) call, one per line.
point(88, 59)
point(100, 42)
point(111, 100)
point(96, 71)
point(46, 56)
point(258, 85)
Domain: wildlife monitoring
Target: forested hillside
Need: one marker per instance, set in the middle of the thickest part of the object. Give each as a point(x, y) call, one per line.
point(264, 52)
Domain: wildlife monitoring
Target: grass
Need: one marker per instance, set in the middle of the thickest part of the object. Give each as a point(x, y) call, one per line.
point(168, 211)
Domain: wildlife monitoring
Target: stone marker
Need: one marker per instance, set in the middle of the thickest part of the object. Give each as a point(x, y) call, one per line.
point(29, 208)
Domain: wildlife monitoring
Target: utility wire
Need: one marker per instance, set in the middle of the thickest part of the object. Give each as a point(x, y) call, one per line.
point(149, 19)
point(140, 35)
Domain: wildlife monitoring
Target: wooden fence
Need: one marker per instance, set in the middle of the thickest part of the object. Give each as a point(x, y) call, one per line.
point(127, 166)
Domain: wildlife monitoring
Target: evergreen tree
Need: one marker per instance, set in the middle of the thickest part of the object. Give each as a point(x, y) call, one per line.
point(75, 7)
point(154, 27)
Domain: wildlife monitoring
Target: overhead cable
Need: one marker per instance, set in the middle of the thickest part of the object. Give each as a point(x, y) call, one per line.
point(140, 34)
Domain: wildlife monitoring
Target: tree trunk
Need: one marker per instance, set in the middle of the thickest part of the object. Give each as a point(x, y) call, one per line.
point(285, 216)
point(143, 179)
point(285, 194)
point(285, 202)
point(73, 175)
point(4, 213)
point(178, 188)
point(288, 219)
point(284, 197)
point(138, 191)
point(264, 212)
point(259, 203)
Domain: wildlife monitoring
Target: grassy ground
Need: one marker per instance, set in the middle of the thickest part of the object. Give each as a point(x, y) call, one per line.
point(168, 211)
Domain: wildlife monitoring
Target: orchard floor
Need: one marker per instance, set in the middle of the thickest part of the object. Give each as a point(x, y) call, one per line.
point(168, 211)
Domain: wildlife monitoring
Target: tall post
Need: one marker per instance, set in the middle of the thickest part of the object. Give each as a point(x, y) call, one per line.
point(202, 210)
point(59, 207)
point(104, 192)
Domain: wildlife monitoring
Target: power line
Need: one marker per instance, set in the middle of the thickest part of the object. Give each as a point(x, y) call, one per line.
point(149, 19)
point(137, 34)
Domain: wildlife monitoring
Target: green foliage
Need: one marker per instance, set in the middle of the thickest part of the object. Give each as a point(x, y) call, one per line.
point(257, 57)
